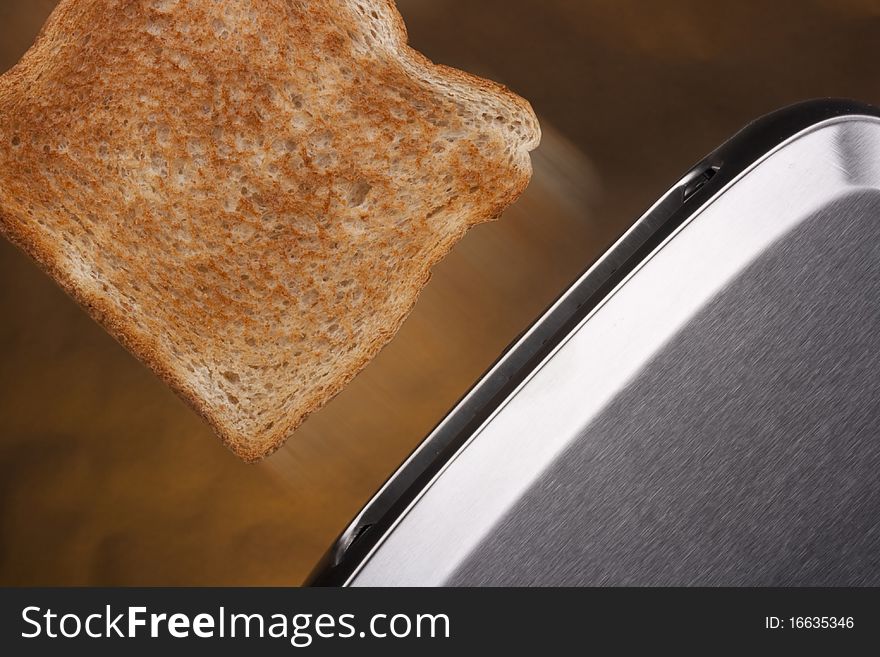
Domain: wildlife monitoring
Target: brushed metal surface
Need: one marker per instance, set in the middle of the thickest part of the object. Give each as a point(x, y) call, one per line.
point(713, 421)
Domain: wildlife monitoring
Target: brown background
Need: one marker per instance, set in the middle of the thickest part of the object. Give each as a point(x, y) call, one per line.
point(106, 478)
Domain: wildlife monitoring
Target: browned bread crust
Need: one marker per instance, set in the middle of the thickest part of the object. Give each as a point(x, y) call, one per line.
point(249, 194)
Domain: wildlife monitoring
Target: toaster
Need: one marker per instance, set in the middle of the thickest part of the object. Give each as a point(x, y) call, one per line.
point(700, 407)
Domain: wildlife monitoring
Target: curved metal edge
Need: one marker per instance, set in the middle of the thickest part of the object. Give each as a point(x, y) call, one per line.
point(357, 542)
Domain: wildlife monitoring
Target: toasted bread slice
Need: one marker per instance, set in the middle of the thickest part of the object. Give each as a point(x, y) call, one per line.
point(249, 194)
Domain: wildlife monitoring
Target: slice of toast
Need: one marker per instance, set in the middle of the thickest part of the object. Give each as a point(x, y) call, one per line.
point(249, 194)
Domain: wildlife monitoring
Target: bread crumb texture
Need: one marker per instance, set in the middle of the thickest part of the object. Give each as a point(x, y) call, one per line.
point(249, 194)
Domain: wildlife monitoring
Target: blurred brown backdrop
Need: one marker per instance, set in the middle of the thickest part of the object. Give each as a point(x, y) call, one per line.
point(106, 478)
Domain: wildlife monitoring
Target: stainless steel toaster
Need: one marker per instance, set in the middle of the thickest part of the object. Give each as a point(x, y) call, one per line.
point(701, 407)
